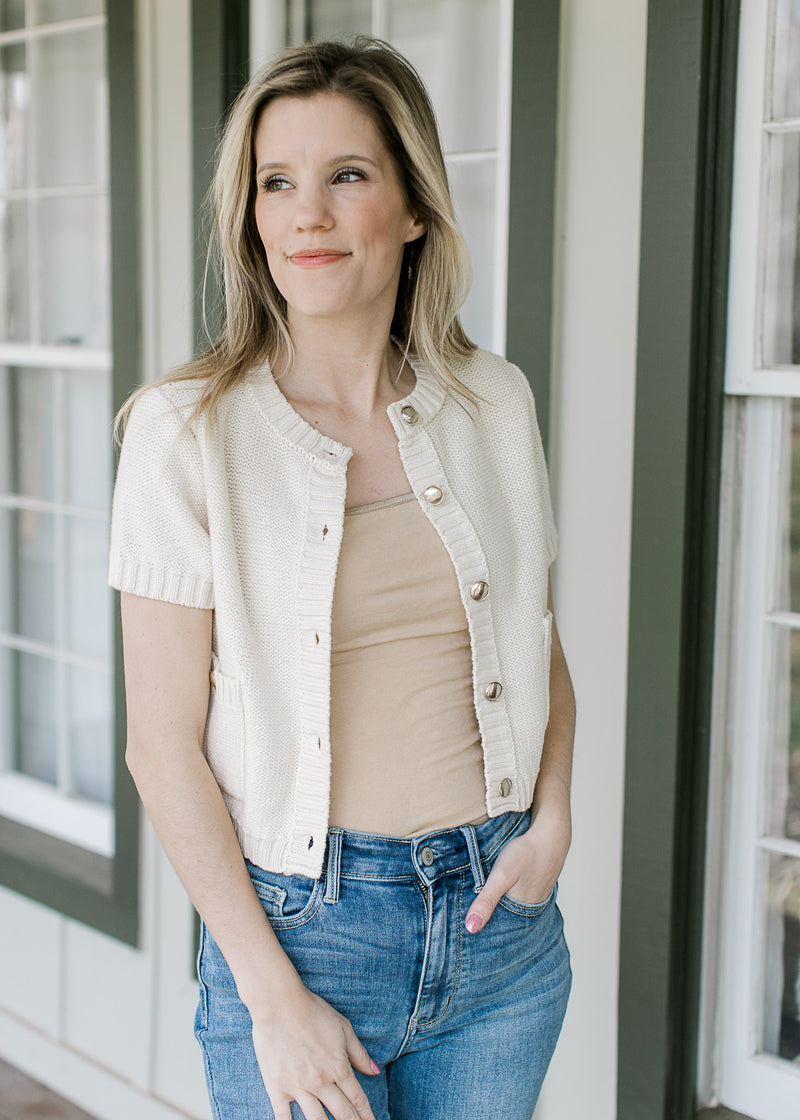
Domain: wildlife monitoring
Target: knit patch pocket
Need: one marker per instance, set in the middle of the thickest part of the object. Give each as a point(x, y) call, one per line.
point(224, 735)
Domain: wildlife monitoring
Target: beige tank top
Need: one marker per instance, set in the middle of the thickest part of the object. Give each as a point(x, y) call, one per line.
point(405, 743)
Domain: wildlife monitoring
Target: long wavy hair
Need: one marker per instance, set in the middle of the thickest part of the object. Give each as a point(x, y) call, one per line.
point(436, 272)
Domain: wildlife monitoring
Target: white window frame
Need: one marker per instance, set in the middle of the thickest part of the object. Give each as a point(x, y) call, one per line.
point(55, 810)
point(732, 1068)
point(758, 1084)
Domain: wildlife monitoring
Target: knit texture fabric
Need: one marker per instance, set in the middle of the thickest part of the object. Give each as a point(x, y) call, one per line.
point(246, 516)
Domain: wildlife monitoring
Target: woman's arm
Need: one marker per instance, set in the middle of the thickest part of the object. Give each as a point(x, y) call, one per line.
point(305, 1049)
point(528, 866)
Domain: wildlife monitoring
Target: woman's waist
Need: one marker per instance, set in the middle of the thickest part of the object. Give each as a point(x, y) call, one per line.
point(365, 855)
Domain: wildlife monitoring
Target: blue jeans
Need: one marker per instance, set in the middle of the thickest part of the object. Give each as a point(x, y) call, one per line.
point(460, 1024)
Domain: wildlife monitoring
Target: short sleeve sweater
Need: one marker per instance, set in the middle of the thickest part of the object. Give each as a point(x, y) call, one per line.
point(246, 517)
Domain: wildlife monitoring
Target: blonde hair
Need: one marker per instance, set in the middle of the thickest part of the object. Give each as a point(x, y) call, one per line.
point(436, 271)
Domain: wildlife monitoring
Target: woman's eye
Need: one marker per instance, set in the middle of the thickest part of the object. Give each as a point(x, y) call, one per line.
point(274, 183)
point(348, 175)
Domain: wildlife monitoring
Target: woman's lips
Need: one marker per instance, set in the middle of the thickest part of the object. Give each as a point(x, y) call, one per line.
point(316, 258)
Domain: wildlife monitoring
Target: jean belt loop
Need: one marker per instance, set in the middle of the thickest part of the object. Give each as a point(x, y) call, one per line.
point(334, 865)
point(475, 861)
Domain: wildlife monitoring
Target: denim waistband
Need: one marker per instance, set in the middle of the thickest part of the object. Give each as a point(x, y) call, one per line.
point(361, 855)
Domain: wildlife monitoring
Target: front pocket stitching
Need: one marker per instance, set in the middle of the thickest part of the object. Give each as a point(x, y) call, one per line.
point(292, 921)
point(524, 909)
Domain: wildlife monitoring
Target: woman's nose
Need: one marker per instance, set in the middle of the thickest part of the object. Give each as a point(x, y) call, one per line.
point(311, 209)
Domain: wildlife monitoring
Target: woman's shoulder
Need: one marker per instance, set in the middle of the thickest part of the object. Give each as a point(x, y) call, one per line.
point(162, 415)
point(493, 378)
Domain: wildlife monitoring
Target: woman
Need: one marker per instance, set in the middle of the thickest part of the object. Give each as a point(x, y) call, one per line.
point(341, 510)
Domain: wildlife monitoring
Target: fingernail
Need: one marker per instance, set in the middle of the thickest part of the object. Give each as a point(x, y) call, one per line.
point(474, 923)
point(374, 1066)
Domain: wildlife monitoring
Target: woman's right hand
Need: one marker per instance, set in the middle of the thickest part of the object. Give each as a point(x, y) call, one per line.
point(307, 1052)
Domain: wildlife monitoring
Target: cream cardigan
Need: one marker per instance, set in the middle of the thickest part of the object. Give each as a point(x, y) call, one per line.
point(247, 518)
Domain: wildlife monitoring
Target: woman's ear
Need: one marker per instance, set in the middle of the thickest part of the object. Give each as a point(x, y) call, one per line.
point(416, 230)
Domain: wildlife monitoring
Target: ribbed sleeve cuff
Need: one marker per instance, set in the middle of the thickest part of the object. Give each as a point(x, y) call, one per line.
point(155, 583)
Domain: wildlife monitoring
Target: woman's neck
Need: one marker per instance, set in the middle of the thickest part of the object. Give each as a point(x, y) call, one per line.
point(359, 371)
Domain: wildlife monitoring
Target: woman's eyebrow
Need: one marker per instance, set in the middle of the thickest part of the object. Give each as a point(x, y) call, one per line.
point(336, 159)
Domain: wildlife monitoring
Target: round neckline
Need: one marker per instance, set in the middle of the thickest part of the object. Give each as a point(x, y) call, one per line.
point(425, 398)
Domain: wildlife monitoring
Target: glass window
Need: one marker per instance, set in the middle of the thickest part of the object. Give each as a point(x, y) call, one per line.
point(455, 46)
point(55, 406)
point(780, 298)
point(781, 990)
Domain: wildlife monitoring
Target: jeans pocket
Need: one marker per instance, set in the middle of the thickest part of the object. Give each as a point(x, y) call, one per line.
point(528, 909)
point(288, 900)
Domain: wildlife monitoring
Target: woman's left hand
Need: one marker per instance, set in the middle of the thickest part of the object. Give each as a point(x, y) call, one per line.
point(528, 866)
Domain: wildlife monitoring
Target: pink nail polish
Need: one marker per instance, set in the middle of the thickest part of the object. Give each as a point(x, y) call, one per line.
point(374, 1066)
point(474, 923)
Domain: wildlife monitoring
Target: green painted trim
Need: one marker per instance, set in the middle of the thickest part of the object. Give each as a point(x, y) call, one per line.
point(103, 893)
point(686, 193)
point(531, 207)
point(220, 59)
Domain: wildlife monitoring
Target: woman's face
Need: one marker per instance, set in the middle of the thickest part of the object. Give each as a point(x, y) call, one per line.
point(330, 210)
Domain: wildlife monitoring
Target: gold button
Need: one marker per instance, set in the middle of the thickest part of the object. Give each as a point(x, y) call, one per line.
point(212, 678)
point(505, 787)
point(409, 414)
point(493, 690)
point(427, 857)
point(433, 495)
point(479, 590)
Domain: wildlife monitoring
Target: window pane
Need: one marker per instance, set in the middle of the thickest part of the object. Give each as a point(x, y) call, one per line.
point(12, 15)
point(14, 101)
point(781, 295)
point(786, 60)
point(27, 539)
point(783, 809)
point(71, 101)
point(9, 698)
point(14, 274)
point(26, 430)
point(473, 187)
point(787, 554)
point(90, 734)
point(90, 598)
point(337, 21)
point(454, 45)
point(37, 730)
point(89, 438)
point(50, 11)
point(781, 1008)
point(73, 270)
